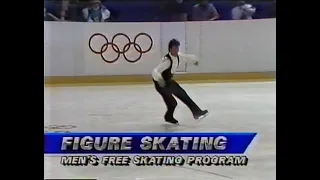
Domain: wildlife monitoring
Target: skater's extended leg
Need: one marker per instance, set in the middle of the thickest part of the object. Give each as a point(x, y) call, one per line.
point(170, 102)
point(180, 93)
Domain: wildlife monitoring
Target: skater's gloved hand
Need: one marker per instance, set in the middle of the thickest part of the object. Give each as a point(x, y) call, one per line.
point(196, 63)
point(162, 82)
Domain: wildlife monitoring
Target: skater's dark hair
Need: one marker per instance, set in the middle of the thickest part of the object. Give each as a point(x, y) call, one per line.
point(173, 43)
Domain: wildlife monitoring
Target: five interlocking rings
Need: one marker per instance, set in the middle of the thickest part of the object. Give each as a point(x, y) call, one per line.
point(115, 47)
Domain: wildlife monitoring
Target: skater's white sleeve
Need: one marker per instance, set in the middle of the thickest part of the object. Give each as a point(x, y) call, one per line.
point(156, 73)
point(188, 57)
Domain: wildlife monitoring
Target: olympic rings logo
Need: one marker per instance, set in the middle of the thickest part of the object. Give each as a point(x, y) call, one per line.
point(116, 48)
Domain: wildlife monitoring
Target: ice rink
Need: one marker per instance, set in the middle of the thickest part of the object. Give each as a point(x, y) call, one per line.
point(233, 107)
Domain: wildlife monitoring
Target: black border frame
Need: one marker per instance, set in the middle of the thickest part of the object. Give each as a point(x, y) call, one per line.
point(295, 130)
point(23, 80)
point(23, 83)
point(283, 51)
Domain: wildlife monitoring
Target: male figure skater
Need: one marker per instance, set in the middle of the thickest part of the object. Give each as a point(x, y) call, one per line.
point(166, 86)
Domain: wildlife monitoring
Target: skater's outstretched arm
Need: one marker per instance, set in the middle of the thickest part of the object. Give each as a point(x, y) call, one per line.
point(189, 58)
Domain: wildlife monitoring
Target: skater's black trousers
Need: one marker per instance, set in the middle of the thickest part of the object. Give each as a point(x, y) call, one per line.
point(173, 88)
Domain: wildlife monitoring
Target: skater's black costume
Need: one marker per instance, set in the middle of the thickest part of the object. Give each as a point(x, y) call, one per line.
point(166, 86)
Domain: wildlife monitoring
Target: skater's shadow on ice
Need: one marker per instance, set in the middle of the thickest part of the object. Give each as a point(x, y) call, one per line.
point(174, 128)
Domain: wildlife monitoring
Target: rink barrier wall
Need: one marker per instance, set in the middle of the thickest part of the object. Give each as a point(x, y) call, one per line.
point(146, 79)
point(227, 51)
